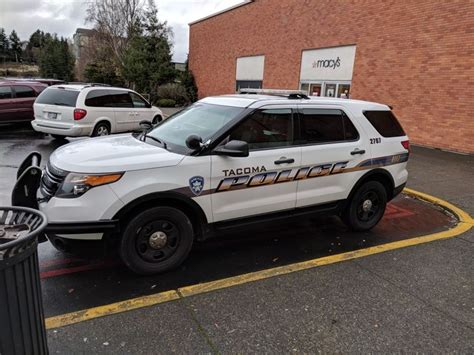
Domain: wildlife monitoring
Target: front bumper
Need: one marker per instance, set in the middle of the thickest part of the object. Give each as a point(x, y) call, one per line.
point(24, 194)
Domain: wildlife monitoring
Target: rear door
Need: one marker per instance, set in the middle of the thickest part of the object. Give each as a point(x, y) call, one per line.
point(333, 148)
point(260, 183)
point(23, 99)
point(7, 113)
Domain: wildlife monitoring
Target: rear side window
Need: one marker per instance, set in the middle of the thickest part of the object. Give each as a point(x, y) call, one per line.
point(23, 91)
point(121, 99)
point(385, 123)
point(99, 98)
point(5, 92)
point(325, 126)
point(58, 97)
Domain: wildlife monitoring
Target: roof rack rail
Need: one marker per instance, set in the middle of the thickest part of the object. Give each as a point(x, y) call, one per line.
point(290, 94)
point(87, 84)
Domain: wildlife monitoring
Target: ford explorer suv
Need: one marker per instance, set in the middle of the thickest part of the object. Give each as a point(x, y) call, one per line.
point(16, 100)
point(91, 110)
point(225, 161)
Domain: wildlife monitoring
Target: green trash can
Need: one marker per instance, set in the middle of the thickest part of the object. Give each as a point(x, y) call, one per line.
point(22, 328)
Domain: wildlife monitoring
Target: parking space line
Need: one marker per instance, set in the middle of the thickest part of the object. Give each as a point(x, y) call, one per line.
point(465, 223)
point(113, 308)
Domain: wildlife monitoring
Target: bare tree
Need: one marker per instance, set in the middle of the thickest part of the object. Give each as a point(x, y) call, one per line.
point(115, 22)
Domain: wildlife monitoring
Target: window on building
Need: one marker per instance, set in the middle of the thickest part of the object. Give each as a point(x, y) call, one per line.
point(5, 92)
point(23, 91)
point(266, 129)
point(385, 123)
point(248, 84)
point(324, 126)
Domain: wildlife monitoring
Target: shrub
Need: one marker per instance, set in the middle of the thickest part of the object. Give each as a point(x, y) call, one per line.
point(173, 91)
point(166, 103)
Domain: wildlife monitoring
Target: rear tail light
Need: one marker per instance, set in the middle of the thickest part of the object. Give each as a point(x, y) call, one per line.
point(406, 145)
point(79, 114)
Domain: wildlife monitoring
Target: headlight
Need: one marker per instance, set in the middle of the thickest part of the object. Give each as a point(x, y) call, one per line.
point(76, 185)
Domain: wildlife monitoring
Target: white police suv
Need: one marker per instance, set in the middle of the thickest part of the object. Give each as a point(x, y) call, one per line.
point(223, 162)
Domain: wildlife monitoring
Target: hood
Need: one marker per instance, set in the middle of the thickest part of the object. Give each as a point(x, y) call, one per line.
point(112, 154)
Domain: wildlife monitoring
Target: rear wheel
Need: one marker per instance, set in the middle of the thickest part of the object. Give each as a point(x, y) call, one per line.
point(156, 240)
point(366, 207)
point(102, 129)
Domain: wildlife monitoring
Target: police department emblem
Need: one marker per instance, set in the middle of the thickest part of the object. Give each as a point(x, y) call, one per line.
point(196, 184)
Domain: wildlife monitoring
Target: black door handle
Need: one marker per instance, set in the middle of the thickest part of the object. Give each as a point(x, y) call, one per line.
point(284, 161)
point(358, 151)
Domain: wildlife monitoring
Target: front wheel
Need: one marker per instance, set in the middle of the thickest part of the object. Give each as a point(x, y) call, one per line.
point(366, 207)
point(157, 119)
point(156, 240)
point(58, 137)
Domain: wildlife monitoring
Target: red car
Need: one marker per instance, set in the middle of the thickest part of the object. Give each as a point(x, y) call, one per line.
point(17, 98)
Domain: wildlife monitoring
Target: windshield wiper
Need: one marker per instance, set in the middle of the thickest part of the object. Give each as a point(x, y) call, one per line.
point(145, 136)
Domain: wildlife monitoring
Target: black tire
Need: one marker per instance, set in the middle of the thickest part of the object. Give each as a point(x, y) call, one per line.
point(58, 137)
point(157, 119)
point(361, 215)
point(136, 248)
point(101, 129)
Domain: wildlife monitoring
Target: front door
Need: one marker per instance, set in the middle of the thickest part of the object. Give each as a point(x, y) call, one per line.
point(125, 115)
point(259, 183)
point(142, 112)
point(332, 153)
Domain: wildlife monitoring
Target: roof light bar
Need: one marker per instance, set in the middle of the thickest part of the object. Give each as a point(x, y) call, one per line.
point(272, 92)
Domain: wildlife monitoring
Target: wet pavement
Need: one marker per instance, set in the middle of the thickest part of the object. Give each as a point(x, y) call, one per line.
point(97, 277)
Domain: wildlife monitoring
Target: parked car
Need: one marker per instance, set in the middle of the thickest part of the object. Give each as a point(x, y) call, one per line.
point(225, 161)
point(91, 110)
point(16, 100)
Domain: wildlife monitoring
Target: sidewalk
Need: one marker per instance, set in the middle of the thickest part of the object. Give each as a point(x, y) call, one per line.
point(417, 299)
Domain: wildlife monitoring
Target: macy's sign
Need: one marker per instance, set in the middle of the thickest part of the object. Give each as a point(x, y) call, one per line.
point(327, 63)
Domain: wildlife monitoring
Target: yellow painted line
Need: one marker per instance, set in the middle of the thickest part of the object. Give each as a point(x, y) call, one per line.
point(465, 223)
point(113, 308)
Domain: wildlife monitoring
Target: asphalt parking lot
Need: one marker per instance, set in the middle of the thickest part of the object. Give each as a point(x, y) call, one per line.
point(407, 299)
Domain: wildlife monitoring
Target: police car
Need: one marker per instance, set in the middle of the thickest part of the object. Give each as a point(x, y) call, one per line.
point(225, 161)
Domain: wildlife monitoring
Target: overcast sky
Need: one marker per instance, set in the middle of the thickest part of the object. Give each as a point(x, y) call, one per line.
point(64, 16)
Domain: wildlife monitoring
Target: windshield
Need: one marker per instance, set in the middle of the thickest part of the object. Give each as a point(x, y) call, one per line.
point(201, 119)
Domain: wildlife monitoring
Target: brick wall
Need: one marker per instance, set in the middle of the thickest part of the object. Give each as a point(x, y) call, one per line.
point(416, 55)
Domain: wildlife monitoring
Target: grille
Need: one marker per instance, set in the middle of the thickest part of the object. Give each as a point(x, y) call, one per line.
point(51, 180)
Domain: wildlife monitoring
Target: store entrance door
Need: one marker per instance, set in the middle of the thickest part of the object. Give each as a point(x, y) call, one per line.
point(315, 90)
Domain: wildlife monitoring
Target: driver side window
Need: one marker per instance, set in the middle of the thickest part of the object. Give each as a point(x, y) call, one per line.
point(266, 129)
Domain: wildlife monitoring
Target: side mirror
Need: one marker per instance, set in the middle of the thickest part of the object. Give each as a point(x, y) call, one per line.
point(233, 149)
point(145, 125)
point(147, 105)
point(194, 142)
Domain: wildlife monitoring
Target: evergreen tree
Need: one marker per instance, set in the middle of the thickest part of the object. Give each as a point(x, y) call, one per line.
point(187, 80)
point(15, 46)
point(56, 60)
point(34, 46)
point(4, 44)
point(147, 60)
